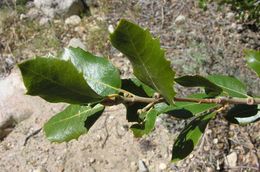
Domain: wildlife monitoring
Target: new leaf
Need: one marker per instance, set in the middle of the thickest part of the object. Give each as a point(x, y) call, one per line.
point(146, 56)
point(74, 121)
point(56, 81)
point(147, 126)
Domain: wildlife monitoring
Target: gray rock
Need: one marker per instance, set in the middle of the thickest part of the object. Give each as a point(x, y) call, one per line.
point(73, 20)
point(142, 167)
point(53, 8)
point(76, 43)
point(14, 106)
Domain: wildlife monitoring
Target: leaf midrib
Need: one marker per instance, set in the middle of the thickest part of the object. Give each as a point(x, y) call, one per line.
point(140, 59)
point(231, 90)
point(97, 81)
point(102, 83)
point(75, 91)
point(74, 116)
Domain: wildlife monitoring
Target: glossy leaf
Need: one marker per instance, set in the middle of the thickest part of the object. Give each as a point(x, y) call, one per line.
point(190, 136)
point(146, 56)
point(230, 85)
point(243, 114)
point(147, 126)
point(56, 81)
point(211, 89)
point(253, 60)
point(99, 73)
point(185, 110)
point(74, 121)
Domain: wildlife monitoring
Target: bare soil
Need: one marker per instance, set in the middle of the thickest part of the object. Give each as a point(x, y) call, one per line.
point(206, 42)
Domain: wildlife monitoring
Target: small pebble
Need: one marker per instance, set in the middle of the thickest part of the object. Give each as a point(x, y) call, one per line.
point(92, 160)
point(40, 169)
point(231, 159)
point(111, 28)
point(215, 141)
point(180, 20)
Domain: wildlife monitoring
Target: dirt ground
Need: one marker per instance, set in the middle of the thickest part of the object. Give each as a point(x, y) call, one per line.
point(204, 42)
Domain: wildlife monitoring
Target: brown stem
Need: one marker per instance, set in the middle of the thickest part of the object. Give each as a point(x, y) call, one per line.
point(219, 100)
point(222, 100)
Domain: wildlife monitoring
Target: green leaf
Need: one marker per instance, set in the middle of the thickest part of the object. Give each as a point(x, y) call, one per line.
point(230, 85)
point(148, 90)
point(253, 60)
point(243, 114)
point(56, 81)
point(74, 121)
point(190, 136)
point(147, 126)
point(99, 73)
point(211, 89)
point(185, 110)
point(146, 56)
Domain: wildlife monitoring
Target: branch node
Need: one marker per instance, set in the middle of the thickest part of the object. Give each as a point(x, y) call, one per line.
point(220, 101)
point(250, 101)
point(139, 111)
point(156, 95)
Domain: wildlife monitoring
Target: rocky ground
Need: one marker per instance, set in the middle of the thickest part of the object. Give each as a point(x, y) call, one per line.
point(196, 42)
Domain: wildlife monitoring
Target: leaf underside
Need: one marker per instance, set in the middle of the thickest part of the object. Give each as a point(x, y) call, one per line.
point(243, 114)
point(190, 136)
point(99, 73)
point(74, 121)
point(56, 81)
point(146, 56)
point(253, 60)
